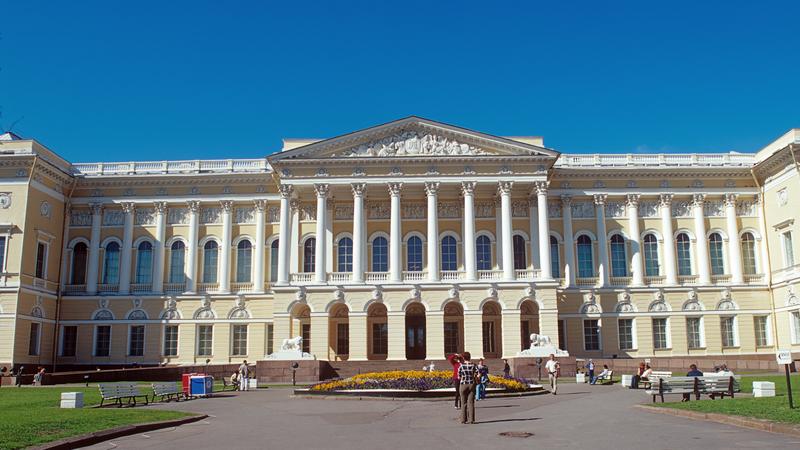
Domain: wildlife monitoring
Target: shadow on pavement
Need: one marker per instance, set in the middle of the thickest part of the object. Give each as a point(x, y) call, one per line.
point(510, 420)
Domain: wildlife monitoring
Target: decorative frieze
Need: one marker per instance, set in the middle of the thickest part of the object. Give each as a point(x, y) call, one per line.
point(714, 208)
point(210, 215)
point(681, 208)
point(554, 210)
point(615, 209)
point(449, 210)
point(178, 216)
point(343, 211)
point(412, 143)
point(274, 214)
point(378, 211)
point(484, 210)
point(747, 208)
point(113, 218)
point(144, 216)
point(413, 210)
point(648, 208)
point(307, 212)
point(80, 218)
point(582, 210)
point(519, 208)
point(245, 215)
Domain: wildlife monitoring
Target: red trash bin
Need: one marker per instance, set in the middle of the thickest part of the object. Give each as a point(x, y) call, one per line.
point(186, 384)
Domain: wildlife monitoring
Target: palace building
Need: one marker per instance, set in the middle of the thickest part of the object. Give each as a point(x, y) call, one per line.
point(407, 240)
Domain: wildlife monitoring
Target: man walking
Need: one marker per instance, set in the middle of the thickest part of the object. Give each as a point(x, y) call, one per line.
point(243, 376)
point(467, 374)
point(552, 368)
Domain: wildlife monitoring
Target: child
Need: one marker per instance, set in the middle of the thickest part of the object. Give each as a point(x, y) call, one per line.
point(483, 379)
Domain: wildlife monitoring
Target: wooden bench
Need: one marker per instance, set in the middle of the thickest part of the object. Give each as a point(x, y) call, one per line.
point(712, 386)
point(121, 391)
point(168, 391)
point(609, 379)
point(227, 384)
point(647, 383)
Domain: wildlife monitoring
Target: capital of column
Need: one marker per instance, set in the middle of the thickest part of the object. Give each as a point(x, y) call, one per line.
point(295, 205)
point(730, 199)
point(600, 199)
point(322, 190)
point(260, 205)
point(226, 205)
point(285, 190)
point(97, 208)
point(698, 200)
point(665, 200)
point(160, 207)
point(541, 187)
point(193, 205)
point(431, 187)
point(468, 187)
point(395, 189)
point(359, 189)
point(566, 200)
point(504, 187)
point(128, 207)
point(633, 200)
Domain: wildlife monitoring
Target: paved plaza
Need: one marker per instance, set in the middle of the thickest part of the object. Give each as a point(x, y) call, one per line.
point(581, 416)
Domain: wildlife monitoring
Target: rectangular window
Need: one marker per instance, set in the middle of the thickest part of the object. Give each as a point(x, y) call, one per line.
point(488, 337)
point(562, 335)
point(170, 340)
point(796, 327)
point(69, 340)
point(41, 260)
point(205, 340)
point(693, 335)
point(2, 254)
point(136, 340)
point(306, 333)
point(380, 338)
point(660, 340)
point(525, 327)
point(33, 340)
point(788, 250)
point(760, 325)
point(342, 339)
point(591, 334)
point(270, 339)
point(450, 337)
point(102, 340)
point(625, 327)
point(239, 340)
point(727, 327)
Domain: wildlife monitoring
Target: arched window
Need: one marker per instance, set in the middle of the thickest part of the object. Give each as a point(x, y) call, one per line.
point(619, 262)
point(380, 254)
point(111, 264)
point(210, 258)
point(585, 260)
point(144, 263)
point(176, 261)
point(749, 253)
point(345, 262)
point(449, 253)
point(555, 264)
point(414, 254)
point(80, 254)
point(309, 250)
point(273, 260)
point(684, 248)
point(715, 251)
point(650, 245)
point(520, 258)
point(483, 253)
point(244, 261)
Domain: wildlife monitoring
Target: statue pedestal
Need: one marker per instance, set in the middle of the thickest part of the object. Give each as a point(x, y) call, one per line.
point(543, 352)
point(290, 355)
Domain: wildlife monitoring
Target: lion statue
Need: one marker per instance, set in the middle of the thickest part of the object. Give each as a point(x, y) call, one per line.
point(540, 340)
point(295, 343)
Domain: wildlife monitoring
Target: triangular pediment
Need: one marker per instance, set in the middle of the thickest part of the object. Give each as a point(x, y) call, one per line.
point(413, 137)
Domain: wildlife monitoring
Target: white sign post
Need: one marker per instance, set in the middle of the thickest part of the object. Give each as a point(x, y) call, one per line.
point(785, 357)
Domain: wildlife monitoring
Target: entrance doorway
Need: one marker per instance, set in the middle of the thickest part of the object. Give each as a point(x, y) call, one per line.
point(415, 332)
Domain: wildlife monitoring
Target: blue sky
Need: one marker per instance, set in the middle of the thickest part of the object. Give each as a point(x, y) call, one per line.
point(155, 80)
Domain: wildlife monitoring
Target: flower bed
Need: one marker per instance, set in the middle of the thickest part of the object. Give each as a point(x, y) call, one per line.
point(412, 380)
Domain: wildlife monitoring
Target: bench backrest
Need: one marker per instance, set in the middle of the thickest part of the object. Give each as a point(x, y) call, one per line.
point(166, 388)
point(660, 374)
point(119, 390)
point(701, 384)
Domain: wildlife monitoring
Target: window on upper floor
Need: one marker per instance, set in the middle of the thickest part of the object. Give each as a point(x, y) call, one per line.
point(111, 264)
point(788, 249)
point(274, 257)
point(715, 252)
point(3, 240)
point(619, 261)
point(210, 259)
point(345, 256)
point(380, 254)
point(414, 254)
point(144, 263)
point(483, 253)
point(684, 253)
point(749, 254)
point(650, 246)
point(309, 253)
point(585, 259)
point(176, 261)
point(520, 255)
point(41, 260)
point(80, 256)
point(555, 258)
point(449, 253)
point(244, 261)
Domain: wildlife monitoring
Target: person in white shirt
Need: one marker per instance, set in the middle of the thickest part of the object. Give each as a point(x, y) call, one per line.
point(552, 367)
point(243, 376)
point(603, 375)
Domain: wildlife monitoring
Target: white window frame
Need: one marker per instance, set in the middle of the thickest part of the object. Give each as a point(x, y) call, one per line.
point(164, 340)
point(144, 339)
point(735, 330)
point(667, 332)
point(5, 234)
point(599, 334)
point(786, 250)
point(233, 343)
point(701, 331)
point(795, 327)
point(197, 339)
point(767, 329)
point(110, 340)
point(634, 341)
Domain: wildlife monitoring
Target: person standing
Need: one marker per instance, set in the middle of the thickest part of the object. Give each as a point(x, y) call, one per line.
point(483, 380)
point(590, 369)
point(455, 361)
point(243, 376)
point(467, 374)
point(506, 369)
point(552, 367)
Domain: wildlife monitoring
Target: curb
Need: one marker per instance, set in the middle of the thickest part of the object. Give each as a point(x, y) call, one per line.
point(104, 435)
point(448, 398)
point(726, 419)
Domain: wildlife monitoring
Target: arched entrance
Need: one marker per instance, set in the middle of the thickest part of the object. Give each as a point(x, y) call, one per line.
point(453, 328)
point(301, 325)
point(339, 332)
point(377, 331)
point(529, 321)
point(415, 331)
point(492, 341)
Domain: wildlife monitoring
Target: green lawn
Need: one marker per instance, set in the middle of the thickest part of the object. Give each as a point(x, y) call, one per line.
point(31, 416)
point(774, 408)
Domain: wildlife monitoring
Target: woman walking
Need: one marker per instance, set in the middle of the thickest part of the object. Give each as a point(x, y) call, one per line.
point(455, 360)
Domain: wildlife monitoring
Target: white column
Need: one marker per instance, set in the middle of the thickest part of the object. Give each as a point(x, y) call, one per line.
point(225, 248)
point(569, 244)
point(359, 238)
point(508, 249)
point(94, 249)
point(544, 231)
point(670, 269)
point(470, 263)
point(294, 240)
point(432, 190)
point(258, 266)
point(285, 233)
point(190, 268)
point(637, 272)
point(734, 246)
point(322, 191)
point(603, 267)
point(395, 238)
point(533, 215)
point(498, 226)
point(127, 247)
point(703, 264)
point(158, 247)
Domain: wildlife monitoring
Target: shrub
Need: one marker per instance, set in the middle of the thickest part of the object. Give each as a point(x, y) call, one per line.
point(411, 380)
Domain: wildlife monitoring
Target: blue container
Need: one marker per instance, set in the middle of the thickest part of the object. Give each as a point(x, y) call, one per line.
point(202, 385)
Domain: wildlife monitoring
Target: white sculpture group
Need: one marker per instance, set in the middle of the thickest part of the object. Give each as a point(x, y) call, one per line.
point(291, 349)
point(295, 343)
point(542, 347)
